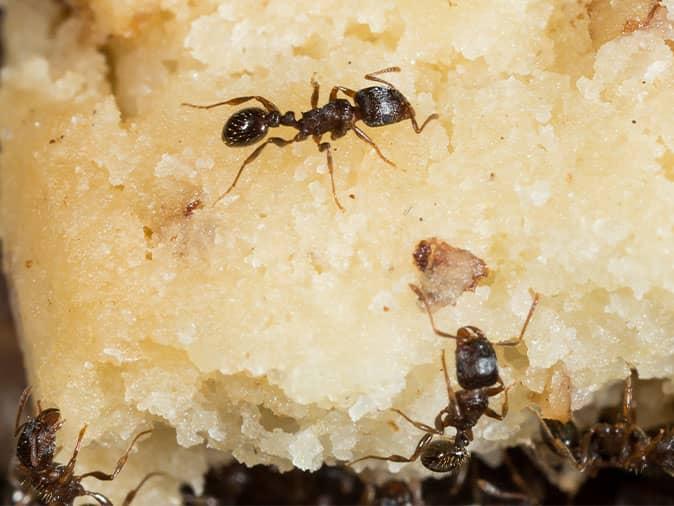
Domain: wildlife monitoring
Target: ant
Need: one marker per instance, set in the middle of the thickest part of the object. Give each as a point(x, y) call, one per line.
point(376, 106)
point(623, 444)
point(53, 483)
point(463, 410)
point(477, 373)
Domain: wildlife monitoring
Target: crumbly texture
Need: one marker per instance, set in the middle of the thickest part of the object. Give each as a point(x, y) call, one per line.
point(274, 328)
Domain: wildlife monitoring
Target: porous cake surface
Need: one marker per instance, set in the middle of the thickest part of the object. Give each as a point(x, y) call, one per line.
point(270, 326)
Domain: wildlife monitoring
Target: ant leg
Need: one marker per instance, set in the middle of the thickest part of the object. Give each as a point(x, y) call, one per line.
point(100, 498)
point(494, 491)
point(71, 463)
point(371, 76)
point(314, 95)
point(363, 136)
point(268, 104)
point(504, 408)
point(132, 494)
point(273, 140)
point(419, 425)
point(22, 404)
point(422, 298)
point(413, 119)
point(347, 91)
point(325, 146)
point(629, 404)
point(99, 475)
point(559, 446)
point(450, 391)
point(535, 298)
point(399, 458)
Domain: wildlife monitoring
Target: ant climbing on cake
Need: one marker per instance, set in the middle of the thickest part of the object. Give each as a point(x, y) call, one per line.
point(51, 482)
point(477, 373)
point(376, 106)
point(463, 410)
point(622, 444)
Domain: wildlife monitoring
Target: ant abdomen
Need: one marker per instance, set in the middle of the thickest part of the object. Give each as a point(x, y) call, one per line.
point(379, 106)
point(246, 127)
point(443, 455)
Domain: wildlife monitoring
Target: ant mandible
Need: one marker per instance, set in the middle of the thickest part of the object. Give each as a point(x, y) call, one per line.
point(623, 444)
point(376, 106)
point(53, 483)
point(477, 373)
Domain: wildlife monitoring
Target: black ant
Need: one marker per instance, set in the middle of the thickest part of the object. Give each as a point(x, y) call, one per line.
point(477, 372)
point(376, 106)
point(623, 444)
point(463, 410)
point(53, 483)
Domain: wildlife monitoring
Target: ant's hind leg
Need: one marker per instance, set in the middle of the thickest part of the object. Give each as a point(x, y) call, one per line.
point(325, 146)
point(347, 91)
point(99, 475)
point(363, 136)
point(268, 104)
point(371, 76)
point(22, 404)
point(399, 458)
point(534, 302)
point(273, 140)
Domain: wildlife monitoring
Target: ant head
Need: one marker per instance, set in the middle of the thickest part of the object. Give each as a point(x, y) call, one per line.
point(37, 439)
point(476, 363)
point(444, 455)
point(248, 126)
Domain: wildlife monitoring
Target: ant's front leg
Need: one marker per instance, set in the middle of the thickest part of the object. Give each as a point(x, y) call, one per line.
point(422, 297)
point(514, 342)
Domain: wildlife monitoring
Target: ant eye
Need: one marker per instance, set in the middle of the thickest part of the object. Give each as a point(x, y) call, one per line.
point(245, 127)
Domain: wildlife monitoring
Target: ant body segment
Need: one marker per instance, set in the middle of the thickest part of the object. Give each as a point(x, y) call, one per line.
point(477, 373)
point(622, 444)
point(376, 106)
point(51, 482)
point(464, 408)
